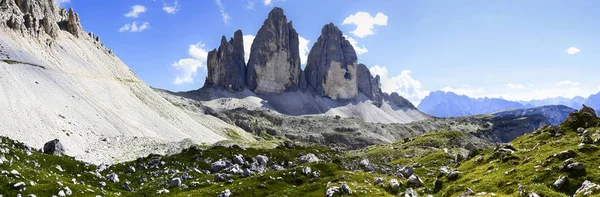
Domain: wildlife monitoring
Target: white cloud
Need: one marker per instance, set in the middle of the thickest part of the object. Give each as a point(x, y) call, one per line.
point(267, 2)
point(136, 10)
point(572, 51)
point(365, 23)
point(250, 5)
point(304, 50)
point(187, 68)
point(403, 84)
point(515, 86)
point(567, 83)
point(224, 14)
point(359, 49)
point(171, 9)
point(248, 39)
point(133, 27)
point(61, 2)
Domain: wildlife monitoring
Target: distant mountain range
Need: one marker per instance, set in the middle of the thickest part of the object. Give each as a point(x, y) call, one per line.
point(450, 104)
point(555, 114)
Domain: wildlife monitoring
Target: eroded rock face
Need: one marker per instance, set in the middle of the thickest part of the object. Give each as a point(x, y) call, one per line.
point(331, 65)
point(368, 85)
point(396, 99)
point(38, 17)
point(226, 67)
point(274, 64)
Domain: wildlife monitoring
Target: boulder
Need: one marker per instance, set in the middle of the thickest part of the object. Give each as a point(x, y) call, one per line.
point(225, 193)
point(226, 66)
point(345, 189)
point(394, 185)
point(331, 65)
point(410, 192)
point(406, 171)
point(369, 85)
point(274, 64)
point(560, 182)
point(175, 182)
point(415, 181)
point(262, 160)
point(54, 147)
point(308, 158)
point(112, 177)
point(587, 188)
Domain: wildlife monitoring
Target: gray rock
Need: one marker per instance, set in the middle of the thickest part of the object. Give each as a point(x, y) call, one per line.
point(452, 176)
point(410, 193)
point(226, 66)
point(576, 166)
point(162, 191)
point(368, 85)
point(560, 182)
point(306, 170)
point(274, 64)
point(331, 65)
point(332, 191)
point(238, 159)
point(587, 188)
point(415, 181)
point(345, 189)
point(585, 137)
point(102, 184)
point(394, 185)
point(175, 182)
point(364, 162)
point(534, 195)
point(469, 192)
point(217, 166)
point(225, 193)
point(222, 177)
point(247, 172)
point(262, 160)
point(406, 171)
point(112, 177)
point(54, 147)
point(308, 158)
point(378, 180)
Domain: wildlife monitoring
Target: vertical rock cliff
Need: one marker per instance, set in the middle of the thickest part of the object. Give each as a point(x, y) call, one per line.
point(331, 65)
point(274, 64)
point(226, 66)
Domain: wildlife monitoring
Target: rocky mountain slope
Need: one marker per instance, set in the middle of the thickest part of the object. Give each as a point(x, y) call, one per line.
point(57, 81)
point(552, 161)
point(449, 104)
point(333, 83)
point(594, 102)
point(555, 114)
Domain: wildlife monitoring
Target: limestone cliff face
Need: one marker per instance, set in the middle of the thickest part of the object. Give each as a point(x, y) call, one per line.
point(369, 85)
point(226, 66)
point(274, 64)
point(38, 17)
point(331, 66)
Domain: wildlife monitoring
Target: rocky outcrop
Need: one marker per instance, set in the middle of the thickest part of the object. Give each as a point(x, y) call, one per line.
point(331, 65)
point(274, 64)
point(226, 67)
point(397, 100)
point(39, 17)
point(369, 85)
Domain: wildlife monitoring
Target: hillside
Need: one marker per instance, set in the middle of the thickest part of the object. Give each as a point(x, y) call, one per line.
point(555, 114)
point(553, 161)
point(57, 81)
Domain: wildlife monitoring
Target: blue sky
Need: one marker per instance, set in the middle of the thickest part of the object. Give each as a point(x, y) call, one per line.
point(518, 50)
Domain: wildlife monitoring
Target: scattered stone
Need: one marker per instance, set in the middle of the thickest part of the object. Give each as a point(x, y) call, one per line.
point(410, 193)
point(175, 182)
point(225, 193)
point(576, 166)
point(131, 169)
point(112, 177)
point(406, 171)
point(345, 189)
point(54, 147)
point(378, 180)
point(19, 184)
point(102, 184)
point(364, 162)
point(331, 191)
point(452, 176)
point(415, 181)
point(222, 177)
point(262, 160)
point(469, 192)
point(306, 170)
point(394, 185)
point(587, 188)
point(565, 154)
point(238, 159)
point(217, 166)
point(62, 193)
point(68, 191)
point(560, 182)
point(308, 158)
point(162, 191)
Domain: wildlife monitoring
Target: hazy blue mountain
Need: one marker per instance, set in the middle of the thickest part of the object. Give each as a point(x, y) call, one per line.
point(449, 104)
point(555, 114)
point(594, 102)
point(575, 103)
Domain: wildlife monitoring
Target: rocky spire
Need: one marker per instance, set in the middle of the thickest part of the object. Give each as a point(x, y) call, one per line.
point(38, 17)
point(369, 85)
point(274, 64)
point(331, 66)
point(226, 66)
